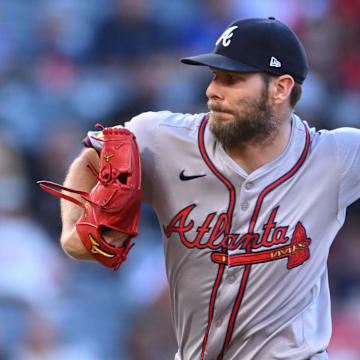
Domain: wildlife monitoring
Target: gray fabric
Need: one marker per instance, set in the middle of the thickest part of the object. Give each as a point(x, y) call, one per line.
point(285, 311)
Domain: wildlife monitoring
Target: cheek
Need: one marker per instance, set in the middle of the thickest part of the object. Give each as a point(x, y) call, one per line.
point(241, 105)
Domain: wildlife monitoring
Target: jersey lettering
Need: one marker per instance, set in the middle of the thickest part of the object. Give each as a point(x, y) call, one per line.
point(177, 224)
point(201, 230)
point(217, 237)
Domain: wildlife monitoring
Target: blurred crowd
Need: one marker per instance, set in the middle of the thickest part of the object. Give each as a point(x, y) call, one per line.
point(66, 65)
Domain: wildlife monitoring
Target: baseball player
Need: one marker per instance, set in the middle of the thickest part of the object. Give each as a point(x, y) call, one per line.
point(249, 199)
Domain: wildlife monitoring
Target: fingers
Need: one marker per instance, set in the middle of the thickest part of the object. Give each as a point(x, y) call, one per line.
point(114, 238)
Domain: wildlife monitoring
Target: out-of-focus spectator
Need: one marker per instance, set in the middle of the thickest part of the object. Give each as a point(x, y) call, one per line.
point(42, 341)
point(151, 337)
point(132, 32)
point(32, 267)
point(348, 10)
point(66, 65)
point(346, 332)
point(323, 46)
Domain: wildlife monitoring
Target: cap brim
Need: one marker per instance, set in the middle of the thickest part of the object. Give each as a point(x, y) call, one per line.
point(220, 62)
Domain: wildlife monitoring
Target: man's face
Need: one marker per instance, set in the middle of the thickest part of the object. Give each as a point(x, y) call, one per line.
point(240, 111)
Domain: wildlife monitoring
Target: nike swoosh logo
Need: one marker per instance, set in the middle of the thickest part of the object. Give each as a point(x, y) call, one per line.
point(184, 177)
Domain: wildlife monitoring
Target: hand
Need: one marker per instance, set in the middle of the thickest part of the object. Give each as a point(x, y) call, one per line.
point(114, 238)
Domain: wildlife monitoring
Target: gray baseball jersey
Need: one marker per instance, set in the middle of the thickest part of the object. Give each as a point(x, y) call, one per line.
point(246, 254)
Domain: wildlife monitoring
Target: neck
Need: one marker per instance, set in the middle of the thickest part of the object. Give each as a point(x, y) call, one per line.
point(252, 156)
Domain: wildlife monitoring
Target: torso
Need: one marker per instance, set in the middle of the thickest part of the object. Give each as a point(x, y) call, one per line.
point(245, 254)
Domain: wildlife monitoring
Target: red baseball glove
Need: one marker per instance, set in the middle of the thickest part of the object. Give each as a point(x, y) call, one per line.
point(115, 201)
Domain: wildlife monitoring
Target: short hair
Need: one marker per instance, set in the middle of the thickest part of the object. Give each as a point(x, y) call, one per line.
point(296, 91)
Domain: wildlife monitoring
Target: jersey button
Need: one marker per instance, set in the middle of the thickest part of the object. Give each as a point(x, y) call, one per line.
point(231, 279)
point(218, 322)
point(249, 185)
point(244, 206)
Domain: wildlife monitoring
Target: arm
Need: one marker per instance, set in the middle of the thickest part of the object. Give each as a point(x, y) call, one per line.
point(79, 177)
point(348, 162)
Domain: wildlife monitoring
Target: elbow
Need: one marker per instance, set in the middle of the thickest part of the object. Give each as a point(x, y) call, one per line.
point(73, 246)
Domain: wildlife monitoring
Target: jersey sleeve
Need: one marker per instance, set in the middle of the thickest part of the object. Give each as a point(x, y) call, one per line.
point(348, 160)
point(145, 128)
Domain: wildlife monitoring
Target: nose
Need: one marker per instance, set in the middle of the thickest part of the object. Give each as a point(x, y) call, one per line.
point(213, 91)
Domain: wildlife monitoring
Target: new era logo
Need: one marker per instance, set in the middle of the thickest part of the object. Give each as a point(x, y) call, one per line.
point(274, 62)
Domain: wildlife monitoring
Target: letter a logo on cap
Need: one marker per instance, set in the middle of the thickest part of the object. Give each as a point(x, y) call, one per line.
point(274, 62)
point(226, 36)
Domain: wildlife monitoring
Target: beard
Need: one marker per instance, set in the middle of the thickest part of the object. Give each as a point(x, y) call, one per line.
point(254, 126)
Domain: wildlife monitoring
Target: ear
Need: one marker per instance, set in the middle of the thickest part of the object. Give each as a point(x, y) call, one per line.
point(281, 88)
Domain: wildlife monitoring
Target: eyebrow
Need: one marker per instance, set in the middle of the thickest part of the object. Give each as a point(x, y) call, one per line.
point(233, 73)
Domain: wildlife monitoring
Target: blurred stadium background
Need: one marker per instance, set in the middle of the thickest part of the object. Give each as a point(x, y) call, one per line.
point(67, 64)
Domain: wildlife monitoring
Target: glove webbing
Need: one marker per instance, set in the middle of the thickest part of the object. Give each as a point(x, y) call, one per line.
point(47, 186)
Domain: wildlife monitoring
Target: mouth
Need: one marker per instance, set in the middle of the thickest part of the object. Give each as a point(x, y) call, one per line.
point(220, 111)
point(214, 107)
point(220, 114)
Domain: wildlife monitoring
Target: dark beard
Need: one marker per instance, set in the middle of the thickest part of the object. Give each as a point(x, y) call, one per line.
point(256, 125)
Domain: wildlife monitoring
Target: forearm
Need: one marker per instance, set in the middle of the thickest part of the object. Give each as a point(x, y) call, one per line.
point(79, 177)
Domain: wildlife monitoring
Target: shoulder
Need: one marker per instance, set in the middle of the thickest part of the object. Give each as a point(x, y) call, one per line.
point(345, 137)
point(346, 134)
point(150, 121)
point(341, 144)
point(331, 144)
point(338, 136)
point(347, 142)
point(145, 126)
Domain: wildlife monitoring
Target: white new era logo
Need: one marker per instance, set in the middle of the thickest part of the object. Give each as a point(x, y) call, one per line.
point(274, 62)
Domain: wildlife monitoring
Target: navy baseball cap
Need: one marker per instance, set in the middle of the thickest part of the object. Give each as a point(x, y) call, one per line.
point(257, 45)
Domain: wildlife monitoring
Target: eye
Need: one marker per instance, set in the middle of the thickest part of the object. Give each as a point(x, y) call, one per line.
point(232, 78)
